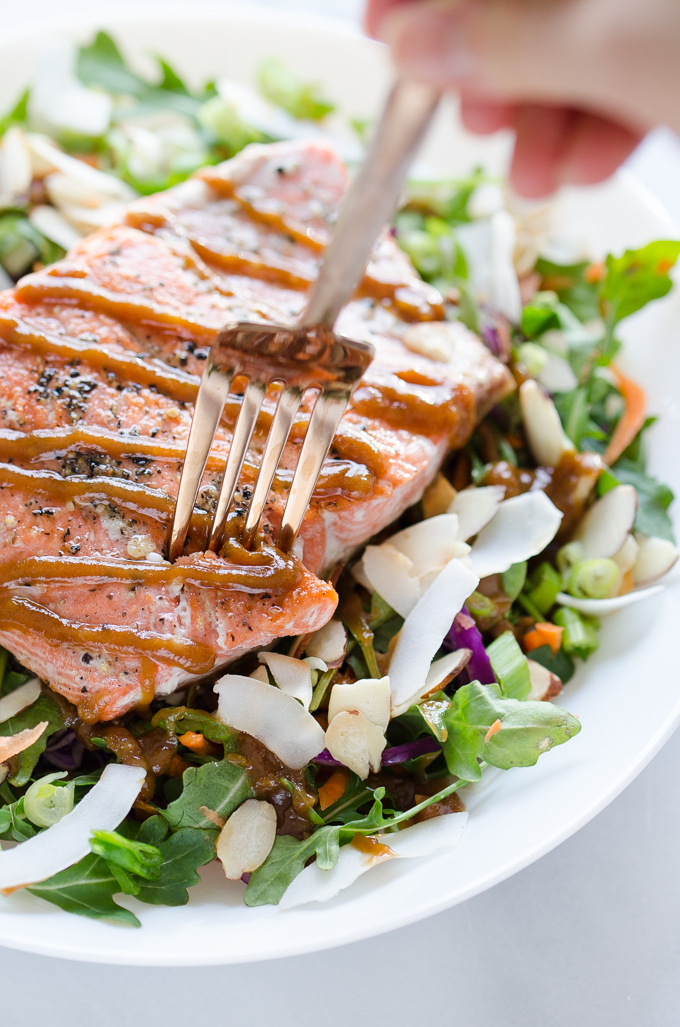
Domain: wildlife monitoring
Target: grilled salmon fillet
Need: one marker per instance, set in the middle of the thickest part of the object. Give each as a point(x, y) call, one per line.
point(100, 358)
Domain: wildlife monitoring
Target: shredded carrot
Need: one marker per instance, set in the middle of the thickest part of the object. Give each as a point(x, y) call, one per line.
point(594, 273)
point(544, 634)
point(632, 418)
point(177, 767)
point(195, 741)
point(493, 730)
point(334, 788)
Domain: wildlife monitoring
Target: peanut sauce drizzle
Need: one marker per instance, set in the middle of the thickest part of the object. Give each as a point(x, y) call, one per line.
point(44, 286)
point(140, 498)
point(275, 572)
point(18, 613)
point(372, 847)
point(176, 384)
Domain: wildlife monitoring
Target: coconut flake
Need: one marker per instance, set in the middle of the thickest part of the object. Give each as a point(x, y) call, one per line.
point(16, 172)
point(440, 672)
point(14, 744)
point(475, 508)
point(19, 699)
point(391, 575)
point(371, 696)
point(602, 607)
point(355, 741)
point(423, 839)
point(82, 183)
point(63, 844)
point(294, 677)
point(430, 544)
point(54, 226)
point(425, 628)
point(522, 527)
point(274, 718)
point(247, 838)
point(329, 643)
point(556, 375)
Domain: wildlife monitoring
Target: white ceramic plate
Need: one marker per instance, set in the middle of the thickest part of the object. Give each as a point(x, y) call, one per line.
point(628, 697)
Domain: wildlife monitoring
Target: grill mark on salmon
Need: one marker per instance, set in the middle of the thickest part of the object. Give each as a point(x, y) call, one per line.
point(100, 359)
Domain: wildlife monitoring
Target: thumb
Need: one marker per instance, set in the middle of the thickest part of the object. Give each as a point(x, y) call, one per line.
point(542, 51)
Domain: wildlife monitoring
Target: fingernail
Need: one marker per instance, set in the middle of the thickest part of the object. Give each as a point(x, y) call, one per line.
point(429, 42)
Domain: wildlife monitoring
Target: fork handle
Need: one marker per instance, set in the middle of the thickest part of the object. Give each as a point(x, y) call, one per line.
point(372, 198)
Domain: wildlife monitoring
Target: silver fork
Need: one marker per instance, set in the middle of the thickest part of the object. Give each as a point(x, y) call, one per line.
point(307, 355)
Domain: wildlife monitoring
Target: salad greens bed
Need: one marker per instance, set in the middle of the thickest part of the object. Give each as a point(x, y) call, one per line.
point(200, 771)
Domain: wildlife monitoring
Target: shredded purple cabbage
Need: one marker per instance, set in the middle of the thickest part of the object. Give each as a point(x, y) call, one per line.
point(409, 751)
point(64, 751)
point(390, 757)
point(465, 634)
point(246, 877)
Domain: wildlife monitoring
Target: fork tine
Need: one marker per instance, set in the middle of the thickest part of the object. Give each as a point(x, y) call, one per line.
point(210, 401)
point(243, 432)
point(287, 407)
point(328, 410)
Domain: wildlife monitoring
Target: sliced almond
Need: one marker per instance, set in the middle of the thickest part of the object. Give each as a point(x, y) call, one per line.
point(627, 554)
point(607, 524)
point(18, 700)
point(546, 437)
point(247, 838)
point(544, 684)
point(654, 559)
point(355, 742)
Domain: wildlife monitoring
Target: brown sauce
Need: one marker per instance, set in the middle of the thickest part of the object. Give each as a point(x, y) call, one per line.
point(18, 614)
point(372, 846)
point(178, 385)
point(414, 409)
point(139, 498)
point(45, 287)
point(275, 574)
point(239, 262)
point(572, 483)
point(267, 774)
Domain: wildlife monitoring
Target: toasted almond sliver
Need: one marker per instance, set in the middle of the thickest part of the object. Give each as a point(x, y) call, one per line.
point(352, 739)
point(247, 838)
point(14, 744)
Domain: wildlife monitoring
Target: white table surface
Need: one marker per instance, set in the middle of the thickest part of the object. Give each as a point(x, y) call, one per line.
point(589, 935)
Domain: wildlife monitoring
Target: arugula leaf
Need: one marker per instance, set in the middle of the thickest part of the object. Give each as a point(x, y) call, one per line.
point(539, 316)
point(132, 856)
point(286, 860)
point(220, 787)
point(171, 80)
point(102, 64)
point(87, 889)
point(559, 663)
point(179, 719)
point(44, 708)
point(278, 83)
point(346, 808)
point(14, 824)
point(510, 666)
point(527, 729)
point(18, 114)
point(182, 853)
point(654, 498)
point(573, 289)
point(638, 277)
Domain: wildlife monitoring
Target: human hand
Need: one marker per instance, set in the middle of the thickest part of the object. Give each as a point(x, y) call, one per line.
point(580, 81)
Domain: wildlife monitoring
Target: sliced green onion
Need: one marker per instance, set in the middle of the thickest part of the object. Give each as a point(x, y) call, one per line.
point(593, 579)
point(46, 804)
point(510, 666)
point(513, 580)
point(533, 357)
point(580, 634)
point(567, 556)
point(546, 584)
point(480, 605)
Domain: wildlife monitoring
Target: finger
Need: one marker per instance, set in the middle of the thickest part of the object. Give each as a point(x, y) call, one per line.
point(542, 136)
point(375, 13)
point(485, 116)
point(595, 149)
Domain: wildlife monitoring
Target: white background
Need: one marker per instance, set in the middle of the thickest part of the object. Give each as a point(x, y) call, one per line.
point(589, 935)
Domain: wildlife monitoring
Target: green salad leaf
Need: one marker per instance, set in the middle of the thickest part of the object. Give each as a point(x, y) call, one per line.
point(182, 853)
point(572, 287)
point(303, 100)
point(527, 729)
point(180, 719)
point(654, 498)
point(638, 277)
point(219, 787)
point(87, 889)
point(510, 666)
